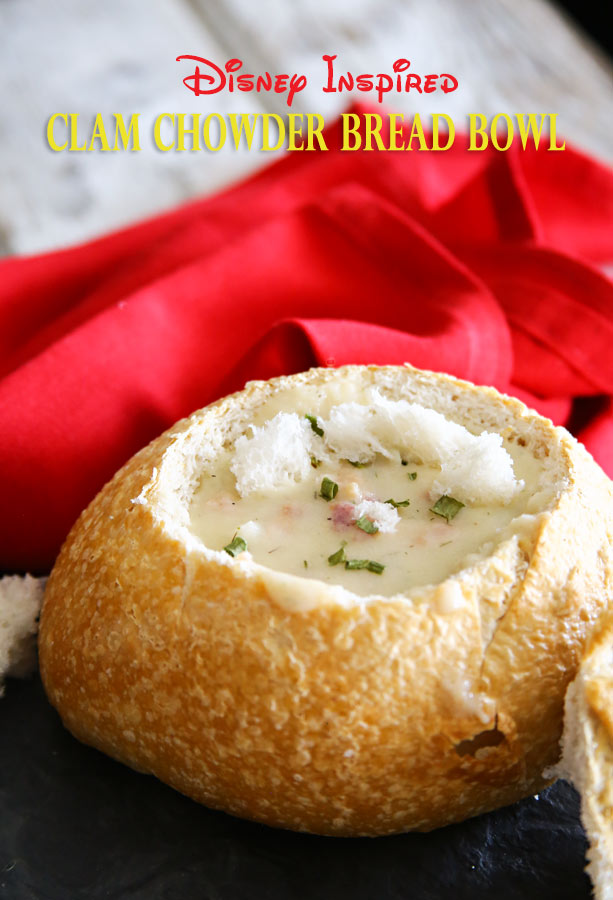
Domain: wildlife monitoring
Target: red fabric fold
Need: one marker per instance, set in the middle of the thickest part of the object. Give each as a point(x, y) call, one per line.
point(478, 264)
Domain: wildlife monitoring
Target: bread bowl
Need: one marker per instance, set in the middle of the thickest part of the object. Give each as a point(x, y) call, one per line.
point(337, 700)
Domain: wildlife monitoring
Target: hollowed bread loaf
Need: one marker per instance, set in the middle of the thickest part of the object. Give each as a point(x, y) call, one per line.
point(388, 655)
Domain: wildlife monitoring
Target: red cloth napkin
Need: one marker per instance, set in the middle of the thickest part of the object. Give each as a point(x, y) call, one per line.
point(478, 264)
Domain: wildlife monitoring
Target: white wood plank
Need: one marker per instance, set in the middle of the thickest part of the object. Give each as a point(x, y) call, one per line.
point(71, 56)
point(85, 58)
point(509, 56)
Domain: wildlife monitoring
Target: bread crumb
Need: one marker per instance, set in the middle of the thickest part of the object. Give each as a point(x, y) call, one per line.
point(384, 515)
point(20, 603)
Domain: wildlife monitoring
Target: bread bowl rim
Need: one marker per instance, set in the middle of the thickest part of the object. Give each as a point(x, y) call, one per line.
point(154, 489)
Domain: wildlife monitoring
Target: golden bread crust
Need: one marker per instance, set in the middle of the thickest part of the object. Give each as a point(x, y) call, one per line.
point(588, 752)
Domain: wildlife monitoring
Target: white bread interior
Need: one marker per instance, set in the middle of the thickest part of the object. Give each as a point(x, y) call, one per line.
point(20, 602)
point(474, 468)
point(302, 704)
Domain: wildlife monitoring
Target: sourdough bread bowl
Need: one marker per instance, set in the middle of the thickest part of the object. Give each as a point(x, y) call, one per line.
point(389, 655)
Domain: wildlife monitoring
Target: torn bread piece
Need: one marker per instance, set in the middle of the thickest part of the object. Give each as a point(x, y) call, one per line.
point(587, 753)
point(20, 601)
point(274, 609)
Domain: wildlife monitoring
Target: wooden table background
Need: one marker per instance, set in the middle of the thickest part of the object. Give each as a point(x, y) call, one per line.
point(119, 56)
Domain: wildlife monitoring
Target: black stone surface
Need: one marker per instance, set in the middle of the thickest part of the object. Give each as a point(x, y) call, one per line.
point(75, 825)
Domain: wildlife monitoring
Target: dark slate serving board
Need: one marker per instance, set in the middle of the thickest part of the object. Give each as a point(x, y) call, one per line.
point(75, 825)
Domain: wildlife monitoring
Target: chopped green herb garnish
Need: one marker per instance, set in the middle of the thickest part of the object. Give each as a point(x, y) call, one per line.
point(356, 464)
point(316, 428)
point(337, 557)
point(236, 546)
point(305, 564)
point(447, 507)
point(356, 563)
point(368, 564)
point(404, 462)
point(412, 475)
point(328, 489)
point(397, 503)
point(315, 462)
point(367, 525)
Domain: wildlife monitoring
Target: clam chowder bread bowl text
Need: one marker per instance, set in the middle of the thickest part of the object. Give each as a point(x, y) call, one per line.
point(347, 601)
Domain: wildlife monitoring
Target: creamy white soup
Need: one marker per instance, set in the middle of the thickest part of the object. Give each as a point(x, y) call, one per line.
point(376, 521)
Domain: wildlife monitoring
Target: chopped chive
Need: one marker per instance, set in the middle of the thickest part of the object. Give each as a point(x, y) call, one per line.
point(356, 563)
point(236, 546)
point(397, 503)
point(305, 564)
point(412, 475)
point(446, 507)
point(368, 564)
point(356, 464)
point(316, 428)
point(315, 462)
point(367, 525)
point(337, 557)
point(328, 489)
